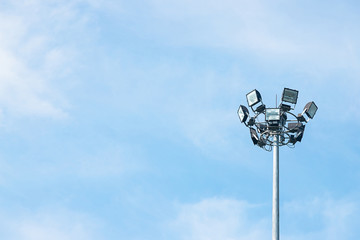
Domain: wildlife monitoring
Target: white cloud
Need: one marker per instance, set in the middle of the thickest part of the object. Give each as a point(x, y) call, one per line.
point(114, 161)
point(228, 24)
point(230, 219)
point(321, 39)
point(335, 219)
point(53, 223)
point(35, 51)
point(218, 219)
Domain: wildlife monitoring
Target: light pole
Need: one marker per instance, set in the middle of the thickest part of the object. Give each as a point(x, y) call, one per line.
point(271, 128)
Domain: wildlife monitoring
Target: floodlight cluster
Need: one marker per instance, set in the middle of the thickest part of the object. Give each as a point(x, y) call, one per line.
point(280, 121)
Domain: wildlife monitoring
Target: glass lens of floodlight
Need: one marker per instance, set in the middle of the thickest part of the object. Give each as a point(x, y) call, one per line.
point(243, 113)
point(252, 98)
point(312, 110)
point(272, 114)
point(290, 95)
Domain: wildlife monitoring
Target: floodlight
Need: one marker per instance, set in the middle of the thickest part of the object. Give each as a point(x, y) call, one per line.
point(300, 133)
point(294, 126)
point(272, 114)
point(290, 95)
point(292, 139)
point(243, 113)
point(254, 136)
point(283, 119)
point(253, 97)
point(261, 142)
point(260, 108)
point(261, 127)
point(300, 118)
point(285, 107)
point(251, 121)
point(310, 109)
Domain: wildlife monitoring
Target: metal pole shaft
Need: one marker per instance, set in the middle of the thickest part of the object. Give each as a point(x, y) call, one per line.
point(275, 207)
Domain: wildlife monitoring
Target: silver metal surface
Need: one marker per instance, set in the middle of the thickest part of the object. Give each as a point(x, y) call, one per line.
point(275, 203)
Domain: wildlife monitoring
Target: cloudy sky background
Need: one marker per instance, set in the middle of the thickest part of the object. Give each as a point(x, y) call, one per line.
point(118, 119)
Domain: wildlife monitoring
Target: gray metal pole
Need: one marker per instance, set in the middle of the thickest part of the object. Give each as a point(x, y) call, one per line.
point(275, 207)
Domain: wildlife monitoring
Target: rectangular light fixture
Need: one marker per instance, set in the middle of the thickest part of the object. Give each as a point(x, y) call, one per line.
point(310, 109)
point(300, 133)
point(301, 118)
point(254, 136)
point(272, 114)
point(251, 121)
point(294, 126)
point(285, 107)
point(290, 95)
point(253, 97)
point(261, 142)
point(243, 113)
point(292, 139)
point(261, 127)
point(260, 108)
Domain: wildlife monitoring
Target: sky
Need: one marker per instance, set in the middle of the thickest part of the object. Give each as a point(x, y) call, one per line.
point(118, 119)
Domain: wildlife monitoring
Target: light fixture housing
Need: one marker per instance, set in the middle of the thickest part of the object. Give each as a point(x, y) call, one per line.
point(300, 133)
point(310, 109)
point(285, 107)
point(283, 119)
point(253, 97)
point(261, 127)
point(254, 136)
point(301, 118)
point(290, 95)
point(262, 142)
point(260, 108)
point(294, 126)
point(272, 114)
point(251, 121)
point(292, 139)
point(243, 113)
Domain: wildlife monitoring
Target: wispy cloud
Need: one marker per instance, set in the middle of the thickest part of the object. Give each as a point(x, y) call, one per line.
point(230, 219)
point(330, 219)
point(219, 218)
point(51, 223)
point(35, 52)
point(269, 30)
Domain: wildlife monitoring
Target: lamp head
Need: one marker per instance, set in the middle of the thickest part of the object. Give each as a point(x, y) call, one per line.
point(254, 136)
point(301, 118)
point(290, 95)
point(285, 107)
point(253, 97)
point(272, 116)
point(260, 108)
point(262, 142)
point(261, 127)
point(310, 109)
point(294, 126)
point(300, 133)
point(243, 113)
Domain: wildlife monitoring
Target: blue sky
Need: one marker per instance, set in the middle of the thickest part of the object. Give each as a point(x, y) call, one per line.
point(118, 119)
